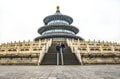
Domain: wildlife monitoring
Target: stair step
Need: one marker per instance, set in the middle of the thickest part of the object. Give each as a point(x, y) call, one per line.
point(50, 58)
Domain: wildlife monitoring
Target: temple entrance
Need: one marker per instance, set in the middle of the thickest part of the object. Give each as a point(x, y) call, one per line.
point(58, 39)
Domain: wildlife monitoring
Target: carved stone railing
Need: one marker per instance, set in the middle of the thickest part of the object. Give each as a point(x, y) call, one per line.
point(44, 50)
point(26, 52)
point(95, 52)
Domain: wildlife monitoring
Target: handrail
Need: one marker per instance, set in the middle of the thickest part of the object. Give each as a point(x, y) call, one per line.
point(42, 53)
point(44, 50)
point(61, 55)
point(57, 58)
point(62, 60)
point(78, 54)
point(76, 51)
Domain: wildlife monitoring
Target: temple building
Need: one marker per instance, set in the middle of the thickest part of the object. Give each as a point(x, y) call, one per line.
point(42, 50)
point(58, 28)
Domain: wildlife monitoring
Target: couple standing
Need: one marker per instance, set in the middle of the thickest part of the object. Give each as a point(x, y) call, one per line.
point(60, 47)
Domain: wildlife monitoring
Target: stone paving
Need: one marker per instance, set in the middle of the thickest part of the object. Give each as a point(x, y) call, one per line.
point(60, 72)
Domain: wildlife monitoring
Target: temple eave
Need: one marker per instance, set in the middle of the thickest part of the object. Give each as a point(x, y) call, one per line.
point(58, 16)
point(65, 27)
point(58, 36)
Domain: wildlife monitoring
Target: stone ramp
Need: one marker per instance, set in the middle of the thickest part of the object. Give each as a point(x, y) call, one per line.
point(60, 72)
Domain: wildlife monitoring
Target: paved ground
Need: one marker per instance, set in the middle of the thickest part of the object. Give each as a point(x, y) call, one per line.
point(60, 72)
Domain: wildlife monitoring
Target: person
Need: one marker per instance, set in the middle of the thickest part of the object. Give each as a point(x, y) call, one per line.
point(62, 47)
point(58, 48)
point(58, 52)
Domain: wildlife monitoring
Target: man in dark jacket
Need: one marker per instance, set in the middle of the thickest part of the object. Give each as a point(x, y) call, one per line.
point(58, 48)
point(58, 52)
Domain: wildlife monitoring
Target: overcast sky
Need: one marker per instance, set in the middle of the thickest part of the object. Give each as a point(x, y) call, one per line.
point(96, 19)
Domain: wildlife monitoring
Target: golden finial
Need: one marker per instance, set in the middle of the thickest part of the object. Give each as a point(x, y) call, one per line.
point(58, 7)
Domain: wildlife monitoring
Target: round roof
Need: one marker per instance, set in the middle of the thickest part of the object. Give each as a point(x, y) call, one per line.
point(52, 27)
point(58, 16)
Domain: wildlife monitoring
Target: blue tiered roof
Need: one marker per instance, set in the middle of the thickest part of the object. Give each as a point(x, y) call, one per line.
point(58, 16)
point(58, 26)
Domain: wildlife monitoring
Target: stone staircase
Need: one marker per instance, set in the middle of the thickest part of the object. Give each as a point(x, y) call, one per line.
point(50, 58)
